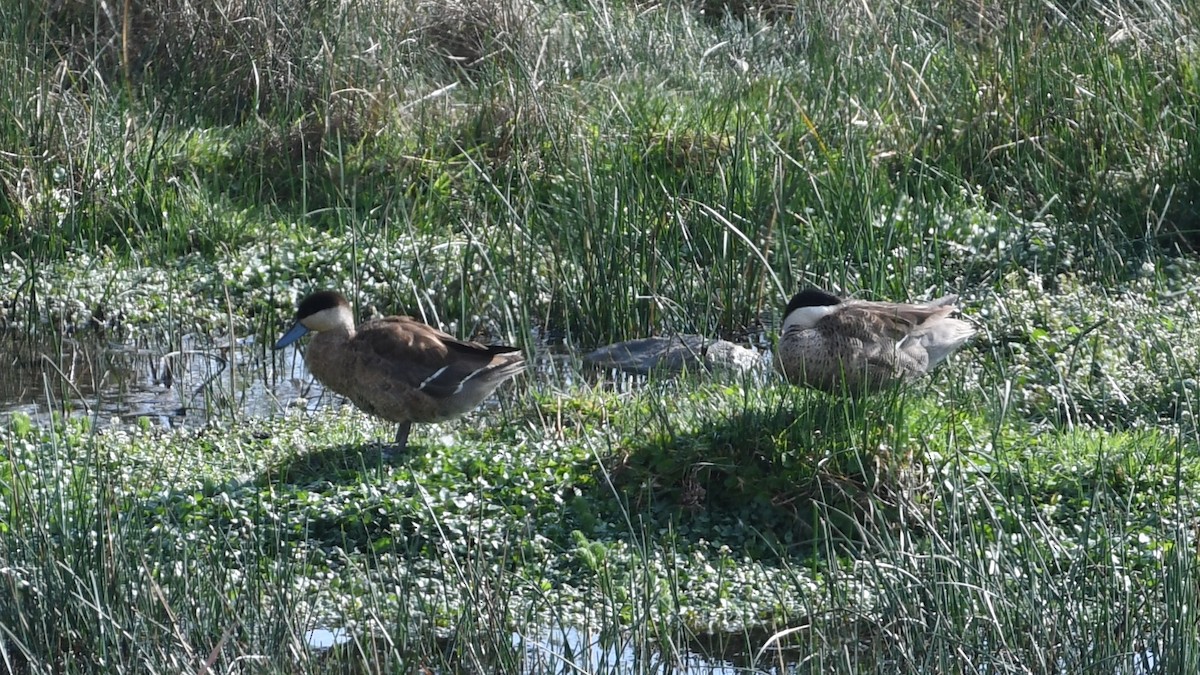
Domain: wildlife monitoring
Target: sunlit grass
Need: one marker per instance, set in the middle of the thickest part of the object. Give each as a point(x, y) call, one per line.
point(582, 172)
point(686, 167)
point(832, 523)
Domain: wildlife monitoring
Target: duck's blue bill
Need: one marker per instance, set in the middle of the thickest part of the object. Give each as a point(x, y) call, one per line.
point(291, 336)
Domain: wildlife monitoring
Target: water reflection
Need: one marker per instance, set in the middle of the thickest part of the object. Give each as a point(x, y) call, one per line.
point(186, 383)
point(326, 638)
point(189, 380)
point(569, 651)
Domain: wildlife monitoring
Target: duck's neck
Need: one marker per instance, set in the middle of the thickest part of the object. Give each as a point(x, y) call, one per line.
point(340, 333)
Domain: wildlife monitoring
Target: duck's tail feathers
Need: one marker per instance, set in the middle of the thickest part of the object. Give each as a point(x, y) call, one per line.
point(449, 380)
point(500, 368)
point(943, 337)
point(503, 367)
point(951, 299)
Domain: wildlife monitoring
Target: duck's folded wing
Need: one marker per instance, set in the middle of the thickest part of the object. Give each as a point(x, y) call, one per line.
point(471, 364)
point(432, 362)
point(865, 322)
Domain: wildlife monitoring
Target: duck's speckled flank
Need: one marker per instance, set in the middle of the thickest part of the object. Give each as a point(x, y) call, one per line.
point(858, 346)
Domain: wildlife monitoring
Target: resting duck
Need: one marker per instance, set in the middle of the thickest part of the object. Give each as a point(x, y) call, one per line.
point(396, 367)
point(856, 346)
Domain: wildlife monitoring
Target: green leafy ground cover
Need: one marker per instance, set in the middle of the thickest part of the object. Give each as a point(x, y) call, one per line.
point(565, 174)
point(673, 514)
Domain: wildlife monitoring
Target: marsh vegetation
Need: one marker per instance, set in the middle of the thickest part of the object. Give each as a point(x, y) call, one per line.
point(561, 174)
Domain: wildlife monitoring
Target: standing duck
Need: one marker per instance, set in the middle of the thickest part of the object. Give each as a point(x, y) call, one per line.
point(396, 367)
point(856, 346)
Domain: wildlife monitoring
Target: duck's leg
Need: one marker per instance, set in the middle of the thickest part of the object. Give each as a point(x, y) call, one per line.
point(402, 436)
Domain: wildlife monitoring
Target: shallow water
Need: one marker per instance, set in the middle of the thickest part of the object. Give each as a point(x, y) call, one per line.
point(167, 386)
point(569, 651)
point(189, 383)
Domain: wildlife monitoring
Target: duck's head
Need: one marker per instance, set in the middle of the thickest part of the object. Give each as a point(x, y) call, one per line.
point(323, 310)
point(808, 307)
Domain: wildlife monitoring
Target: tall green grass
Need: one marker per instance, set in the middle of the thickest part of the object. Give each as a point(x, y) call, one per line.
point(776, 528)
point(594, 171)
point(639, 170)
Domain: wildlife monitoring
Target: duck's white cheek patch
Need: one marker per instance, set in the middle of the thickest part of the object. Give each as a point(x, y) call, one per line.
point(806, 317)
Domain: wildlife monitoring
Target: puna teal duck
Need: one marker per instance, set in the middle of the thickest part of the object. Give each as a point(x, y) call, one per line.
point(857, 346)
point(396, 367)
